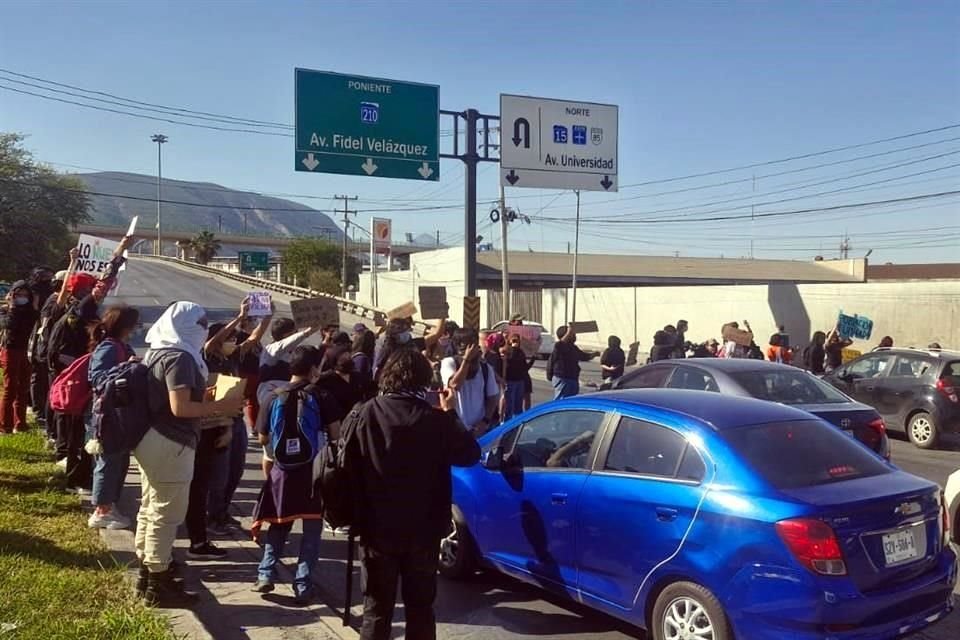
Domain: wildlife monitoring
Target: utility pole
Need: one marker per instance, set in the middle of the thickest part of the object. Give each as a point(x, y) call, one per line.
point(219, 223)
point(159, 138)
point(347, 212)
point(576, 257)
point(438, 238)
point(504, 269)
point(845, 246)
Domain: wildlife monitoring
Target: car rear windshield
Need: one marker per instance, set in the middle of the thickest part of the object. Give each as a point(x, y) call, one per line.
point(788, 386)
point(952, 370)
point(790, 455)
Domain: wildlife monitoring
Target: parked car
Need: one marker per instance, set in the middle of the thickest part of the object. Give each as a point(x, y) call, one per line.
point(545, 345)
point(703, 515)
point(914, 391)
point(952, 498)
point(766, 381)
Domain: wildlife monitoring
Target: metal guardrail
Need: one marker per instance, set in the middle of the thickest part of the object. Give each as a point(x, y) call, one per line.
point(349, 306)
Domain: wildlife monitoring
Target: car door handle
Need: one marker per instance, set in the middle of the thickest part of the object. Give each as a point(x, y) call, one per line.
point(558, 498)
point(870, 388)
point(666, 514)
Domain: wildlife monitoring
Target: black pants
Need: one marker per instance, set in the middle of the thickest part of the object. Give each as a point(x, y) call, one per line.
point(196, 519)
point(416, 570)
point(73, 433)
point(39, 389)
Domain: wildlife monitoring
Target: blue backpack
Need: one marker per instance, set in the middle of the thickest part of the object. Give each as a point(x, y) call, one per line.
point(296, 428)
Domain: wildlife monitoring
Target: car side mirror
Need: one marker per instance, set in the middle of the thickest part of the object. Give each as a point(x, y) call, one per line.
point(493, 459)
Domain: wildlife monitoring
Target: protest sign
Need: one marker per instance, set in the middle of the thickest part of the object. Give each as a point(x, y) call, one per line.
point(406, 310)
point(228, 387)
point(849, 355)
point(261, 304)
point(433, 302)
point(586, 326)
point(854, 326)
point(739, 336)
point(132, 229)
point(315, 312)
point(529, 338)
point(379, 319)
point(94, 254)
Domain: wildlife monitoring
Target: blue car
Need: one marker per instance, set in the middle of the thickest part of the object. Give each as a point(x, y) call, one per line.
point(696, 515)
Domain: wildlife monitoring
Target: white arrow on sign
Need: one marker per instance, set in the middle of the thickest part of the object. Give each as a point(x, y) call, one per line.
point(310, 162)
point(425, 171)
point(369, 167)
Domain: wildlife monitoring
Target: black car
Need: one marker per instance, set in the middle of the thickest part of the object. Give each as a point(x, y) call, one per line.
point(766, 381)
point(914, 391)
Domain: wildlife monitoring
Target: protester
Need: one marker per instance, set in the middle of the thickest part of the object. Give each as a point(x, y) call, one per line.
point(516, 373)
point(43, 284)
point(834, 349)
point(341, 341)
point(17, 324)
point(664, 346)
point(563, 367)
point(815, 354)
point(165, 455)
point(112, 336)
point(400, 461)
point(396, 335)
point(886, 342)
point(289, 494)
point(934, 346)
point(613, 360)
point(275, 359)
point(707, 349)
point(341, 381)
point(776, 352)
point(732, 348)
point(472, 382)
point(364, 344)
point(680, 339)
point(249, 369)
point(225, 352)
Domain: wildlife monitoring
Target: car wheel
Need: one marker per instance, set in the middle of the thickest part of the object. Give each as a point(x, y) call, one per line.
point(458, 558)
point(687, 611)
point(922, 430)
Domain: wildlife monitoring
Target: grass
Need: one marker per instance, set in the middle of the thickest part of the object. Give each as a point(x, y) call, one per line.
point(56, 576)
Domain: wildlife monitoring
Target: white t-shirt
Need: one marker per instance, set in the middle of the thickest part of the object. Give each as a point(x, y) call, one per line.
point(470, 397)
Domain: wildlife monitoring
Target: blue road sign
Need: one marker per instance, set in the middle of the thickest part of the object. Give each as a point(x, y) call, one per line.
point(579, 134)
point(559, 134)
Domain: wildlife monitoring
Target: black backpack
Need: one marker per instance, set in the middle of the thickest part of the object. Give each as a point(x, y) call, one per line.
point(336, 486)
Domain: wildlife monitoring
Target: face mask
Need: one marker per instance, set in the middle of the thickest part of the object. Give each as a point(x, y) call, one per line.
point(403, 338)
point(21, 301)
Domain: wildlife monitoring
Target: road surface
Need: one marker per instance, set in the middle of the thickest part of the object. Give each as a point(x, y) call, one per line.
point(488, 607)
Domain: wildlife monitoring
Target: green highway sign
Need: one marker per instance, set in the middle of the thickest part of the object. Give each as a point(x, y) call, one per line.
point(254, 261)
point(356, 125)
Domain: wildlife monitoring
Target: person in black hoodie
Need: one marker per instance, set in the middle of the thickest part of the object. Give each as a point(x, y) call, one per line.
point(400, 461)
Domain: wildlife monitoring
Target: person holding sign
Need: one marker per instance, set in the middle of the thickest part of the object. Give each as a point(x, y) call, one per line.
point(563, 367)
point(517, 372)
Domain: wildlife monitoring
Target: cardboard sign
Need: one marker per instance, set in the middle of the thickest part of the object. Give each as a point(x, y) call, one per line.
point(433, 303)
point(854, 326)
point(585, 326)
point(315, 312)
point(260, 304)
point(739, 336)
point(379, 319)
point(849, 355)
point(132, 229)
point(405, 310)
point(95, 254)
point(228, 387)
point(525, 331)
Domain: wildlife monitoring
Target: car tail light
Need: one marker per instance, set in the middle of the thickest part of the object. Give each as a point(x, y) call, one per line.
point(879, 428)
point(947, 389)
point(814, 544)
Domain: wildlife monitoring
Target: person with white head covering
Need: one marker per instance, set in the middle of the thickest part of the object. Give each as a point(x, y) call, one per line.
point(178, 400)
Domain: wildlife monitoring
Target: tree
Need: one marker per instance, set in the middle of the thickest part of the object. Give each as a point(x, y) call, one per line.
point(205, 247)
point(38, 208)
point(303, 257)
point(324, 281)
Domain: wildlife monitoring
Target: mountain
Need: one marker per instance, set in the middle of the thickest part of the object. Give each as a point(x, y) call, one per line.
point(220, 210)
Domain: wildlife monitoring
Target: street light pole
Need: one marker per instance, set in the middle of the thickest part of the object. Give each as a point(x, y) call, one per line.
point(159, 138)
point(504, 267)
point(576, 256)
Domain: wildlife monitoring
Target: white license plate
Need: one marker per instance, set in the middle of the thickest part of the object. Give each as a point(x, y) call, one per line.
point(900, 546)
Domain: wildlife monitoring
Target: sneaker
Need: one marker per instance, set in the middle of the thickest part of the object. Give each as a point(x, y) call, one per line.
point(304, 597)
point(206, 550)
point(232, 522)
point(262, 586)
point(51, 444)
point(111, 520)
point(218, 528)
point(62, 463)
point(164, 592)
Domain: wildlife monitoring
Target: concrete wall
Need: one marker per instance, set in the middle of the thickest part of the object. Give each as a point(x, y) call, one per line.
point(915, 313)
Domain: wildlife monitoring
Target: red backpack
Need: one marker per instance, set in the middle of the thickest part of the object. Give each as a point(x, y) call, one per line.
point(70, 392)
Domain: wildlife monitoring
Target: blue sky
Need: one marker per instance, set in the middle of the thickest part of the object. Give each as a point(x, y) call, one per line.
point(701, 87)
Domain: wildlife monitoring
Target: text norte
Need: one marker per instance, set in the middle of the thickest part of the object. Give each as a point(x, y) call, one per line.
point(369, 145)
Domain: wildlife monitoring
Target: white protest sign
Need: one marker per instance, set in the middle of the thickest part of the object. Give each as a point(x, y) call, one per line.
point(94, 254)
point(260, 304)
point(133, 226)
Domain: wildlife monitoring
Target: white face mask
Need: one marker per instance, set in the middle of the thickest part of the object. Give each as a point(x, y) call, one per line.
point(21, 301)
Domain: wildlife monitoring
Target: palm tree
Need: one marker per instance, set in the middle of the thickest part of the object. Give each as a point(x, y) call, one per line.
point(205, 246)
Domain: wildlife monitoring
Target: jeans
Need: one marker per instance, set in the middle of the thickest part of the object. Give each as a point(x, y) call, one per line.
point(221, 493)
point(165, 471)
point(16, 389)
point(565, 387)
point(109, 475)
point(513, 398)
point(416, 570)
point(209, 466)
point(309, 553)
